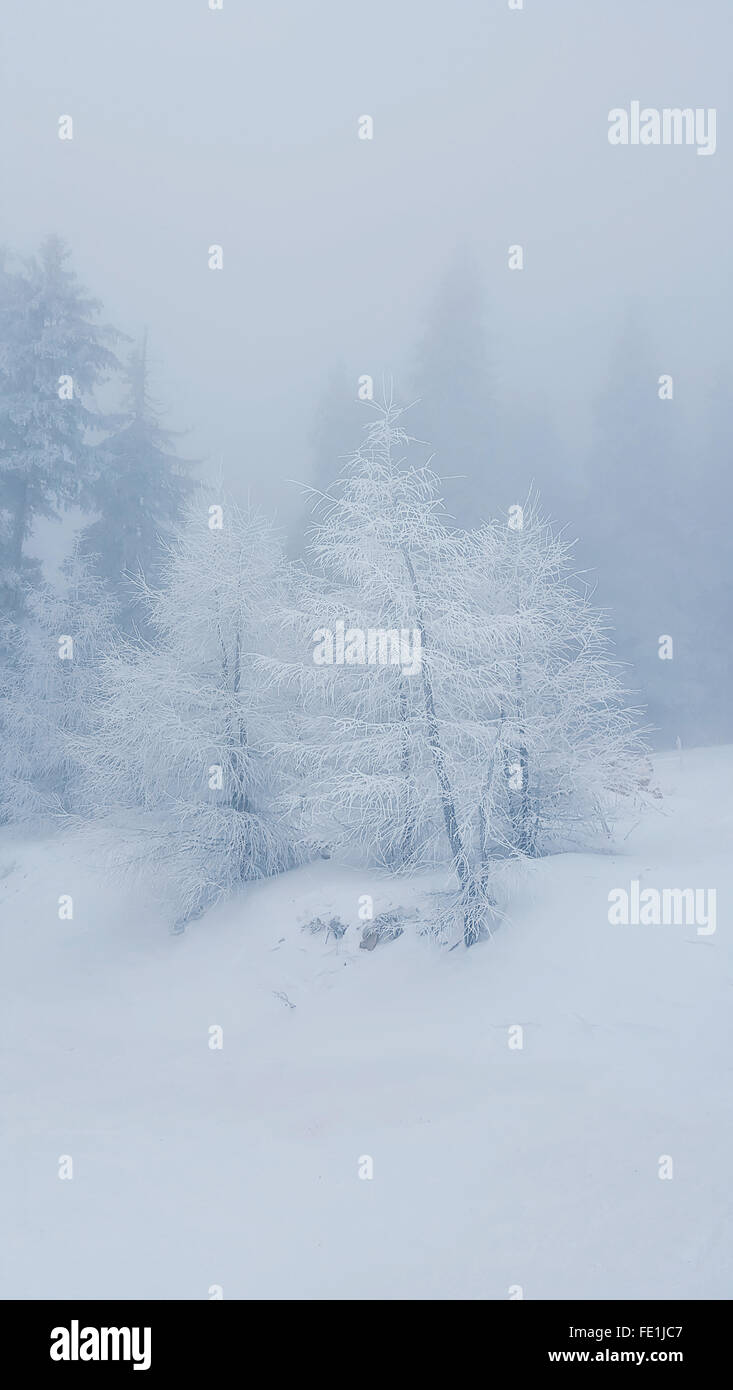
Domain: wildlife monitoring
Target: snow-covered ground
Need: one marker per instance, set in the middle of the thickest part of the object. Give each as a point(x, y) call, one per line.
point(493, 1166)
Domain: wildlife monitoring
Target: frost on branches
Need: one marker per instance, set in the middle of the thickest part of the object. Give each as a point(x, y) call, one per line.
point(48, 680)
point(509, 739)
point(568, 759)
point(412, 694)
point(179, 763)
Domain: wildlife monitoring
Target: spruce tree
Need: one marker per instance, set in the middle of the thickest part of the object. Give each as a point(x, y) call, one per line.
point(52, 355)
point(139, 489)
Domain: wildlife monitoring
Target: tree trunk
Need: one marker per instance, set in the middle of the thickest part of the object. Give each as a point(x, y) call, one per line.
point(447, 798)
point(239, 794)
point(407, 848)
point(523, 816)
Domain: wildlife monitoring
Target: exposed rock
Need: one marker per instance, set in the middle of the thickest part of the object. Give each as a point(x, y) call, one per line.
point(385, 927)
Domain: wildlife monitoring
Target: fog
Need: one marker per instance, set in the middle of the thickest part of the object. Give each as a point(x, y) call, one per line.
point(239, 128)
point(365, 598)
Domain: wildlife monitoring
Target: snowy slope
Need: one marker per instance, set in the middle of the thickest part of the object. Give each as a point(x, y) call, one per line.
point(493, 1166)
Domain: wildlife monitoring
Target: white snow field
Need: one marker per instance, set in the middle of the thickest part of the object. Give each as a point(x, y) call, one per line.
point(492, 1166)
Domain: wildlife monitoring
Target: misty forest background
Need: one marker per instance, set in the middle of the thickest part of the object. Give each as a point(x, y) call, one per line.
point(521, 731)
point(170, 706)
point(190, 488)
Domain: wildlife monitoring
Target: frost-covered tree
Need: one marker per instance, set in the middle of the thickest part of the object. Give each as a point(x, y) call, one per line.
point(388, 729)
point(52, 355)
point(47, 689)
point(507, 737)
point(567, 757)
point(178, 762)
point(139, 488)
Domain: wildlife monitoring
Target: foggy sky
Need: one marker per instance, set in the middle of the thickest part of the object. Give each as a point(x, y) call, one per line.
point(239, 127)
